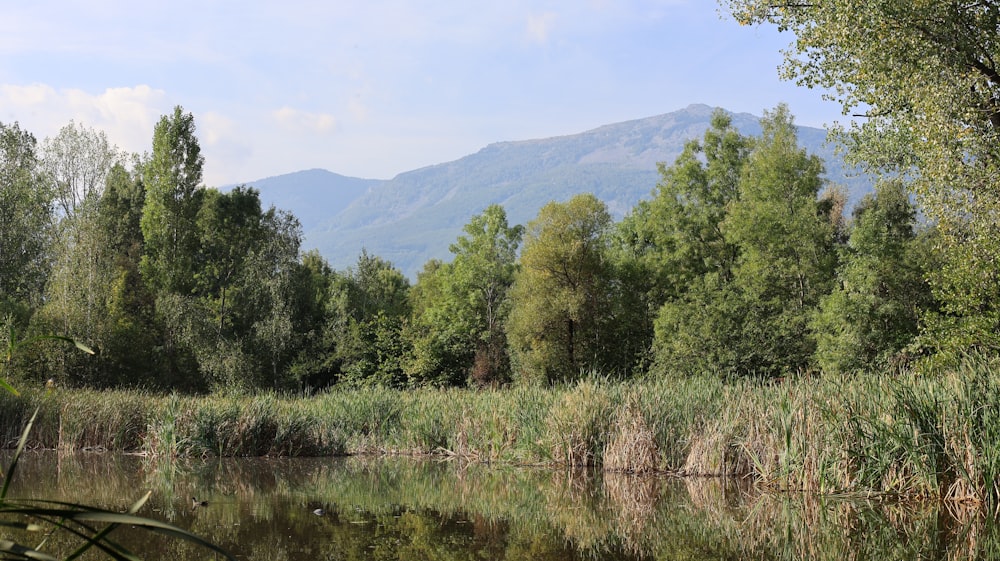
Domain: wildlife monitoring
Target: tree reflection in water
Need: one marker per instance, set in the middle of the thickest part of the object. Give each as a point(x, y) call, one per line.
point(404, 508)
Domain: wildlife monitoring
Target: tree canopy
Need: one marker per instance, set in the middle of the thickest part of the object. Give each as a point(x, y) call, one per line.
point(923, 79)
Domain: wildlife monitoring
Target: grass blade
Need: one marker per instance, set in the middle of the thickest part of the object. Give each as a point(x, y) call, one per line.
point(19, 550)
point(17, 455)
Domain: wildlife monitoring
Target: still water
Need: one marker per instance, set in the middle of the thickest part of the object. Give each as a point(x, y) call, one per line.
point(409, 509)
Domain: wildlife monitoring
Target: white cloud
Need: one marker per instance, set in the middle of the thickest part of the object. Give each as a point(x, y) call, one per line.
point(295, 120)
point(126, 115)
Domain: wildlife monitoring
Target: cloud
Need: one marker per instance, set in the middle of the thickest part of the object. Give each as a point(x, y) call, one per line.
point(539, 27)
point(127, 115)
point(295, 120)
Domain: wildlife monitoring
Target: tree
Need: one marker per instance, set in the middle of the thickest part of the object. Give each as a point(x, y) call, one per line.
point(787, 258)
point(172, 203)
point(370, 307)
point(752, 319)
point(315, 364)
point(237, 319)
point(26, 223)
point(561, 294)
point(78, 161)
point(874, 313)
point(667, 245)
point(459, 309)
point(926, 77)
point(677, 235)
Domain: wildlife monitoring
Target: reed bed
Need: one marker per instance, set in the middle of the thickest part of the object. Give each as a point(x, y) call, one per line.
point(909, 436)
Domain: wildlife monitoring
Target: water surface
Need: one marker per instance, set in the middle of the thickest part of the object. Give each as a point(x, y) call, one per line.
point(405, 508)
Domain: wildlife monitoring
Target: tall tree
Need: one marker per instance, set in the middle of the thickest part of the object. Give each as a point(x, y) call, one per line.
point(26, 221)
point(669, 243)
point(370, 307)
point(78, 161)
point(754, 318)
point(926, 77)
point(460, 309)
point(787, 258)
point(873, 314)
point(173, 200)
point(561, 294)
point(315, 363)
point(677, 235)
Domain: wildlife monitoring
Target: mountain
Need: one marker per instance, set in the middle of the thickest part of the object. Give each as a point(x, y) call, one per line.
point(416, 215)
point(313, 195)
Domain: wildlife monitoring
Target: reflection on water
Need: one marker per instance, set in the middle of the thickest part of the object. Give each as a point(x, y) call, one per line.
point(401, 508)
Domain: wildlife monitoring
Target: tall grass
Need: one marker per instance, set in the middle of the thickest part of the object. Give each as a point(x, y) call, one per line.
point(906, 436)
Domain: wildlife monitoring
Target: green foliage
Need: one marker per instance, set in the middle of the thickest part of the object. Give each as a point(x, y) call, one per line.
point(927, 78)
point(172, 203)
point(366, 318)
point(787, 256)
point(747, 310)
point(460, 308)
point(562, 295)
point(672, 250)
point(77, 161)
point(676, 236)
point(26, 222)
point(873, 314)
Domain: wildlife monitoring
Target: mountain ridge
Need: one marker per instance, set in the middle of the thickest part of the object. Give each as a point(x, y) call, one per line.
point(617, 162)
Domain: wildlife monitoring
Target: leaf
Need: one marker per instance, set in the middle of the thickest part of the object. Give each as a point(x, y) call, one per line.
point(25, 552)
point(10, 389)
point(17, 455)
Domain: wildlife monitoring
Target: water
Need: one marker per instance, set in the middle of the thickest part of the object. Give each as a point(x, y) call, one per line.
point(404, 508)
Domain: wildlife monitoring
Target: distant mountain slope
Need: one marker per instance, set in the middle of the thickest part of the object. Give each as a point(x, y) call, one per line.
point(416, 215)
point(313, 195)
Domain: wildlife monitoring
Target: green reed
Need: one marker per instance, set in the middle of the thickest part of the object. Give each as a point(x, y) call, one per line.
point(907, 435)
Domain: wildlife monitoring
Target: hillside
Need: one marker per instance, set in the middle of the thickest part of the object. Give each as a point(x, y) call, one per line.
point(416, 215)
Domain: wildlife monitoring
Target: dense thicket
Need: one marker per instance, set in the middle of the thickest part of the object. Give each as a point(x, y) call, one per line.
point(740, 264)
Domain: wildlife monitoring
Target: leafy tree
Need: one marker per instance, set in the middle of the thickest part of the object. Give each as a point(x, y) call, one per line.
point(370, 306)
point(677, 236)
point(669, 243)
point(270, 280)
point(441, 331)
point(787, 258)
point(238, 317)
point(753, 319)
point(562, 294)
point(460, 309)
point(315, 364)
point(925, 75)
point(874, 312)
point(172, 203)
point(127, 350)
point(78, 161)
point(26, 223)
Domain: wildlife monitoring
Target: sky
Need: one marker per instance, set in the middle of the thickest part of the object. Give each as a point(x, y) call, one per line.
point(374, 88)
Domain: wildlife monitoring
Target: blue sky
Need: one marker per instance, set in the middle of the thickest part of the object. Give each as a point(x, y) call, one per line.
point(377, 87)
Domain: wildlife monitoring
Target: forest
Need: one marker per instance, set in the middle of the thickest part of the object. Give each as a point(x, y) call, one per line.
point(742, 263)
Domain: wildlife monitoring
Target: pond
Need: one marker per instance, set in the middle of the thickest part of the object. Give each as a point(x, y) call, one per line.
point(403, 508)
